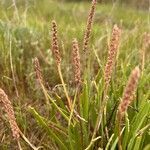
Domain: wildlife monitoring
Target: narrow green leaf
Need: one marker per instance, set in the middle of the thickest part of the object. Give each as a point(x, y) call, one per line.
point(147, 147)
point(114, 144)
point(108, 144)
point(137, 123)
point(42, 122)
point(137, 143)
point(126, 133)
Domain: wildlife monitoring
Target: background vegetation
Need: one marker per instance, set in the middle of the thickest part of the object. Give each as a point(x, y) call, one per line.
point(144, 4)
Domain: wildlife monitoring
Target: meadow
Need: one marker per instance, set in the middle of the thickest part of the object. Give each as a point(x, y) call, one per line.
point(71, 84)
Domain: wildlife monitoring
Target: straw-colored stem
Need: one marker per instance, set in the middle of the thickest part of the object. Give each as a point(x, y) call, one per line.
point(119, 132)
point(16, 9)
point(64, 87)
point(56, 52)
point(12, 68)
point(27, 141)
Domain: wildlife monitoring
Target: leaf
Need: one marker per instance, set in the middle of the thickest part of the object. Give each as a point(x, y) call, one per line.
point(85, 102)
point(84, 111)
point(126, 132)
point(147, 147)
point(42, 122)
point(108, 144)
point(137, 143)
point(114, 144)
point(137, 123)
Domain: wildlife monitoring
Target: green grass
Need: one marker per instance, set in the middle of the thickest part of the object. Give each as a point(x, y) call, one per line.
point(47, 125)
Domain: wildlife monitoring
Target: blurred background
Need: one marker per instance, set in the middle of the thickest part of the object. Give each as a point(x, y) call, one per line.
point(142, 4)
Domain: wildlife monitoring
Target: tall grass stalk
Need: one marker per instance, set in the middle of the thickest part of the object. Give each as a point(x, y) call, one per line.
point(88, 32)
point(47, 96)
point(114, 44)
point(56, 52)
point(128, 97)
point(12, 68)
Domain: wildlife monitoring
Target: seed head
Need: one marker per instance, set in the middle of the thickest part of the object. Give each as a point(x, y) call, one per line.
point(129, 91)
point(37, 69)
point(76, 62)
point(113, 48)
point(88, 29)
point(6, 104)
point(55, 47)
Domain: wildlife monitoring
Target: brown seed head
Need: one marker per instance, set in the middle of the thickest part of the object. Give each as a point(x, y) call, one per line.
point(6, 104)
point(129, 91)
point(55, 47)
point(37, 69)
point(113, 48)
point(89, 26)
point(76, 62)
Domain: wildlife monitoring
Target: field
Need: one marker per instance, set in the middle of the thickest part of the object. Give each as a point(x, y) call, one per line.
point(74, 103)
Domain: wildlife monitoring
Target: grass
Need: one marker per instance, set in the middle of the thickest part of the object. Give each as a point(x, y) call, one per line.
point(41, 110)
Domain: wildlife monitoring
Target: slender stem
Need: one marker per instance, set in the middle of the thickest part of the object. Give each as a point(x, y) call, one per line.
point(27, 141)
point(19, 145)
point(12, 69)
point(64, 86)
point(56, 106)
point(119, 132)
point(104, 98)
point(16, 9)
point(143, 62)
point(99, 118)
point(80, 121)
point(72, 110)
